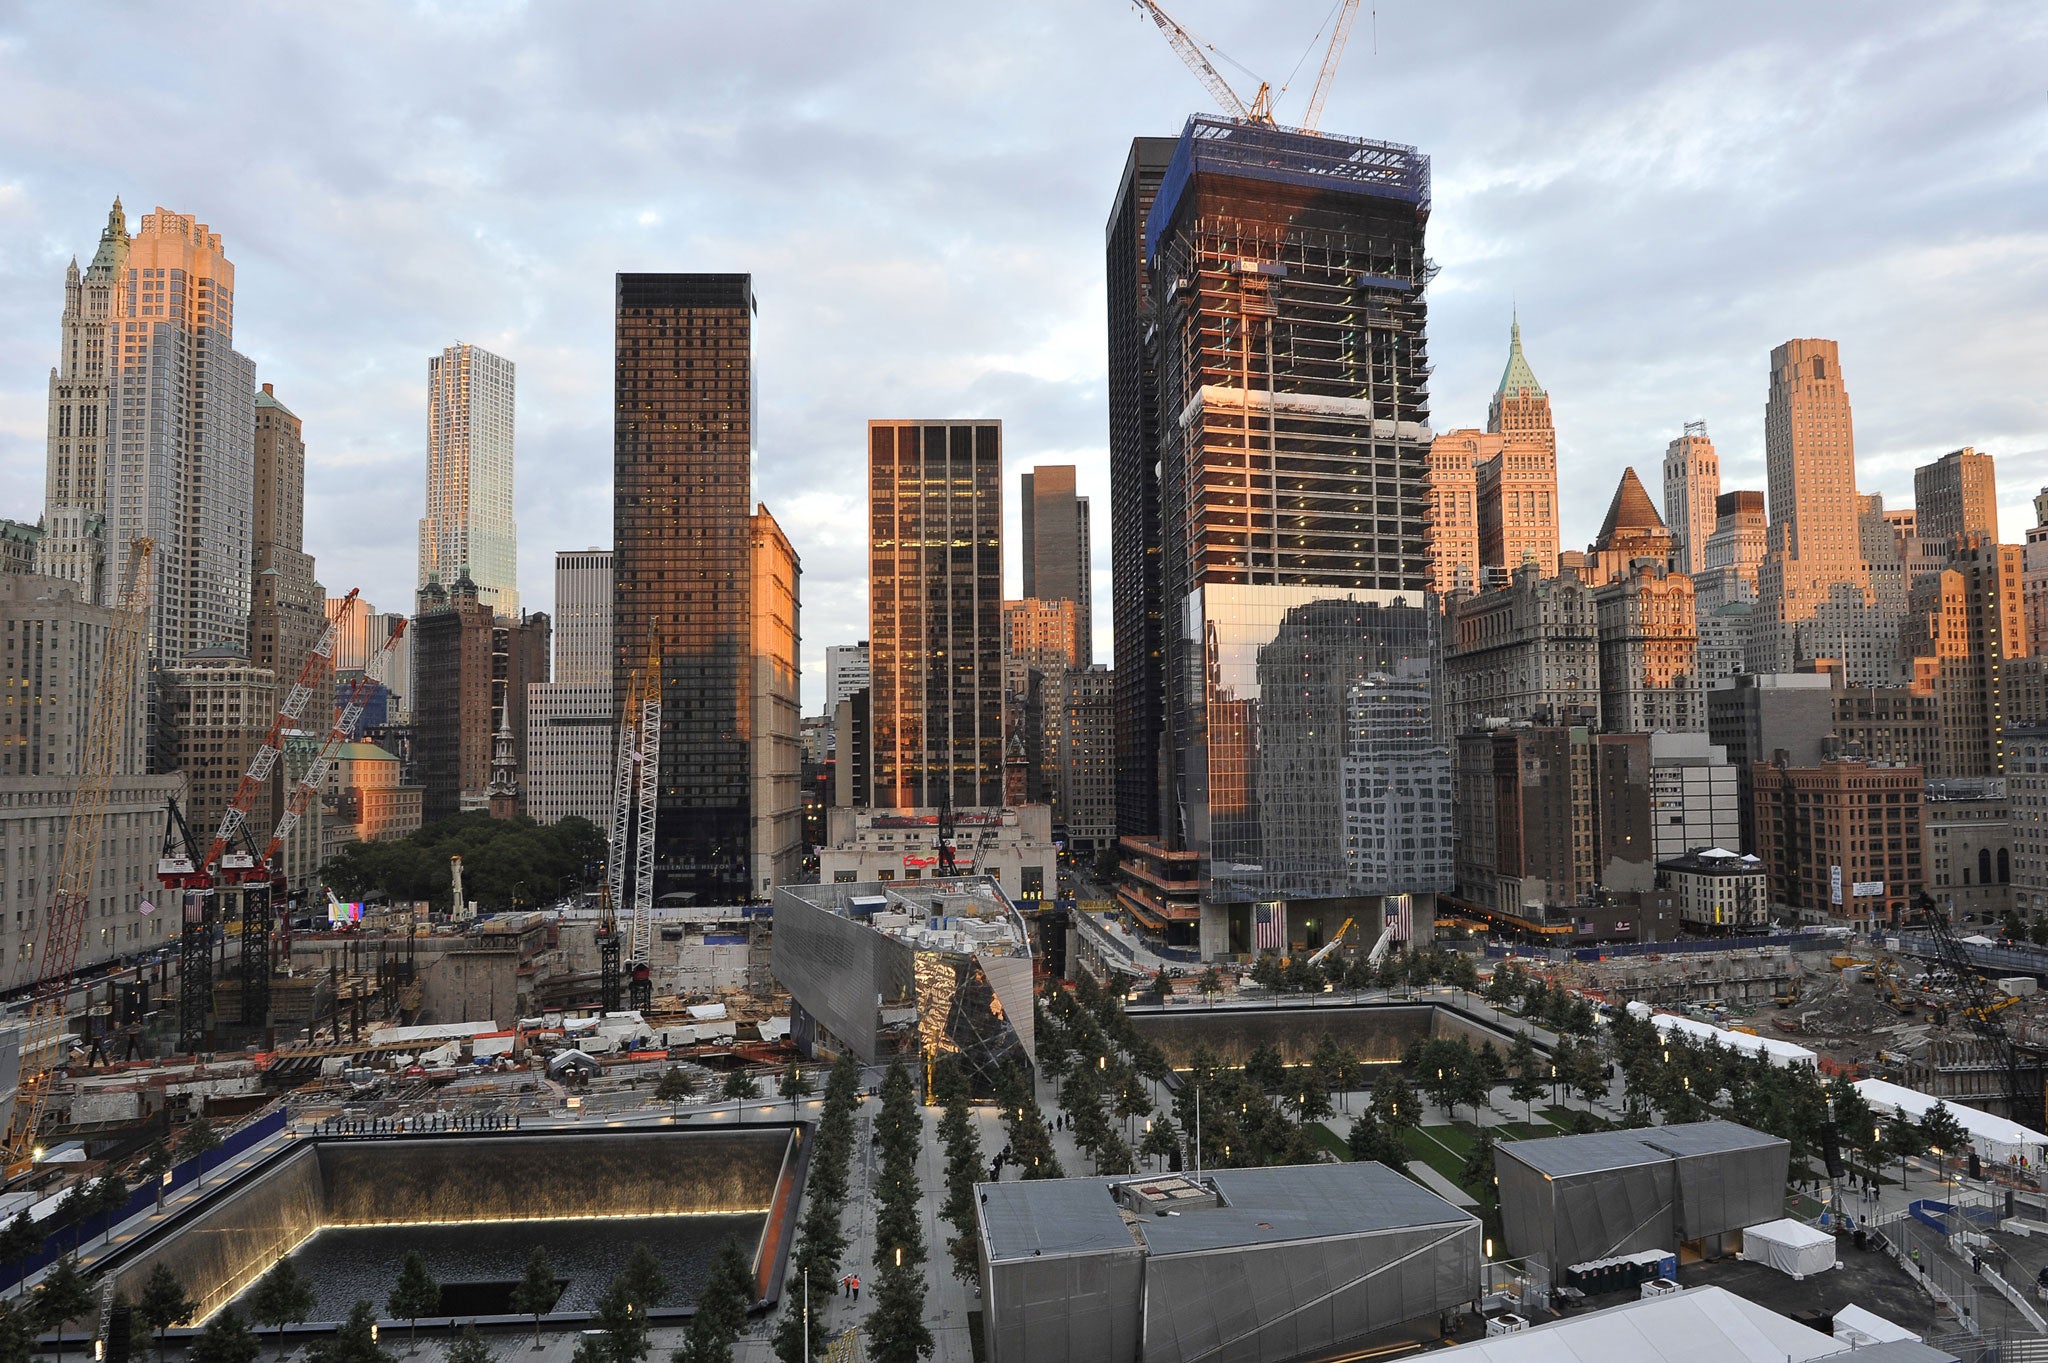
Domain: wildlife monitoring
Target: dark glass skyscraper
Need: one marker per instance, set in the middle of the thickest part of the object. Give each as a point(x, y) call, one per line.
point(682, 444)
point(1134, 496)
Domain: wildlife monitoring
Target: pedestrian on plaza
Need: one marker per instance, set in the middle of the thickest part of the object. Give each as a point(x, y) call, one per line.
point(856, 1279)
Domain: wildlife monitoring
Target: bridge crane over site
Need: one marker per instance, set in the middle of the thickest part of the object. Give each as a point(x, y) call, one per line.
point(78, 864)
point(1260, 109)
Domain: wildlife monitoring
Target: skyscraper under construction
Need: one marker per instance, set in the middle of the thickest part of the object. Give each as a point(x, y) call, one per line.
point(1285, 328)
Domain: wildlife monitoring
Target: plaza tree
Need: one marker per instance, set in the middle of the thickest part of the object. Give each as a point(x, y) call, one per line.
point(354, 1342)
point(227, 1338)
point(538, 1291)
point(676, 1087)
point(283, 1296)
point(164, 1303)
point(64, 1294)
point(415, 1294)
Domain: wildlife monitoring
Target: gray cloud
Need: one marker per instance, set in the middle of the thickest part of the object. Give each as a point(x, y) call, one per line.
point(920, 190)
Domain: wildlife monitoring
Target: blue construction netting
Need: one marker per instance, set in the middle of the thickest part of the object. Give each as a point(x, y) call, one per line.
point(1225, 146)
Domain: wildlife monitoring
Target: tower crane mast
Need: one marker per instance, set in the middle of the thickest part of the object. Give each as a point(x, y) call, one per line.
point(1260, 110)
point(78, 865)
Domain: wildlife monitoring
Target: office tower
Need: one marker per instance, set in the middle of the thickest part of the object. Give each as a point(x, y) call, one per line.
point(1963, 626)
point(1525, 816)
point(1724, 639)
point(474, 671)
point(1841, 838)
point(1293, 434)
point(1452, 533)
point(1757, 715)
point(1055, 524)
point(1896, 724)
point(1967, 847)
point(182, 406)
point(775, 706)
point(74, 489)
point(1692, 492)
point(1957, 496)
point(468, 529)
point(287, 614)
point(1135, 531)
point(1732, 552)
point(1632, 533)
point(1517, 473)
point(53, 638)
point(1529, 651)
point(583, 617)
point(1080, 719)
point(570, 720)
point(1041, 634)
point(2034, 576)
point(1814, 596)
point(219, 706)
point(935, 577)
point(1649, 652)
point(18, 544)
point(1695, 795)
point(846, 671)
point(1878, 538)
point(682, 446)
point(2027, 786)
point(1041, 640)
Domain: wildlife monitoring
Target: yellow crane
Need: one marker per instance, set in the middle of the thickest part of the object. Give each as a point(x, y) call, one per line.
point(78, 866)
point(1260, 110)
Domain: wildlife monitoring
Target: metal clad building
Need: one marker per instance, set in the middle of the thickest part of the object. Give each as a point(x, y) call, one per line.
point(1273, 1264)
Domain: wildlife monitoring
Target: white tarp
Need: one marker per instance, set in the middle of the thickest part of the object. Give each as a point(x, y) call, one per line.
point(1699, 1325)
point(1782, 1053)
point(1854, 1325)
point(1996, 1138)
point(1789, 1246)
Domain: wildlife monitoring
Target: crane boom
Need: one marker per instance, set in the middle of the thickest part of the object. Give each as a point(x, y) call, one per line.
point(1347, 12)
point(78, 866)
point(1190, 52)
point(289, 713)
point(340, 732)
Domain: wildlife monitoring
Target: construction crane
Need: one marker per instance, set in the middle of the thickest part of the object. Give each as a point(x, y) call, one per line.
point(78, 864)
point(1326, 948)
point(1260, 109)
point(1980, 1011)
point(635, 781)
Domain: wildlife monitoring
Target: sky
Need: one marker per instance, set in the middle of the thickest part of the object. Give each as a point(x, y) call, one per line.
point(1662, 191)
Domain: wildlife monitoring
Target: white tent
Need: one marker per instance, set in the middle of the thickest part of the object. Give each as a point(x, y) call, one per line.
point(1996, 1138)
point(1698, 1324)
point(1782, 1053)
point(1789, 1246)
point(1857, 1327)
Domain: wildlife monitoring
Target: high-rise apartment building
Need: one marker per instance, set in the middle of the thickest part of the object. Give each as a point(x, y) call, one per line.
point(1814, 597)
point(1055, 525)
point(1136, 544)
point(1517, 475)
point(1964, 625)
point(935, 579)
point(1080, 721)
point(1692, 492)
point(1452, 532)
point(468, 529)
point(74, 488)
point(1956, 496)
point(571, 720)
point(1293, 435)
point(682, 447)
point(2026, 747)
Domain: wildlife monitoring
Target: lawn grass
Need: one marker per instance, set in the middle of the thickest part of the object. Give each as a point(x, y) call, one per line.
point(1564, 1117)
point(1327, 1139)
point(1426, 1144)
point(1461, 1137)
point(1523, 1131)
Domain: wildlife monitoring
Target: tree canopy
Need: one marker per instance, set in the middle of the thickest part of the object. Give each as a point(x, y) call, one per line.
point(506, 863)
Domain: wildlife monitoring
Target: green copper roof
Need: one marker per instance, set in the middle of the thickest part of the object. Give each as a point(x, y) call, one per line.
point(1518, 377)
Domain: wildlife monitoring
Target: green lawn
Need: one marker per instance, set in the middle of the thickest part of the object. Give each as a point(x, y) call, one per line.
point(1327, 1140)
point(1564, 1116)
point(1433, 1146)
point(1522, 1131)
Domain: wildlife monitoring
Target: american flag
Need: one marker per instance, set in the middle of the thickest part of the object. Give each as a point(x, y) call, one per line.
point(1271, 931)
point(1400, 917)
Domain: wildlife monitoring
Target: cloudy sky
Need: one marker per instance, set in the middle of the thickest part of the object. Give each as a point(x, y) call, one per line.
point(1665, 191)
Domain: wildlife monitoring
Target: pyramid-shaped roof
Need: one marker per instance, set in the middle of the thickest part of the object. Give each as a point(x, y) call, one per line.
point(1631, 510)
point(1518, 377)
